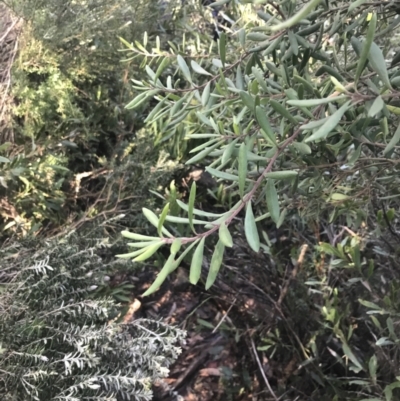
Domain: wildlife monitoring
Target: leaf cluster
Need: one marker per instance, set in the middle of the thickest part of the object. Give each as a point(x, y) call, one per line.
point(59, 342)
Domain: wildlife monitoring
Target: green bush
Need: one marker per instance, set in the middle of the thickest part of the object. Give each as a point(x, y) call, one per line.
point(294, 113)
point(69, 89)
point(61, 342)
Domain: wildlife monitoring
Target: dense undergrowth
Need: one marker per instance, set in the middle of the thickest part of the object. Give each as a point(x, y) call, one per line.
point(319, 206)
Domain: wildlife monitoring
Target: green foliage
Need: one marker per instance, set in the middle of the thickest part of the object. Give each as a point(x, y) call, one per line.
point(69, 89)
point(294, 113)
point(61, 342)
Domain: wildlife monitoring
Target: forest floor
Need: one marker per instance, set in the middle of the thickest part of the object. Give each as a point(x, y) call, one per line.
point(224, 325)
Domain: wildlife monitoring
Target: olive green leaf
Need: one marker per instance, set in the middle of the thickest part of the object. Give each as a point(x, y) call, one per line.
point(329, 124)
point(281, 175)
point(215, 264)
point(150, 251)
point(201, 155)
point(192, 198)
point(184, 68)
point(302, 148)
point(376, 107)
point(206, 95)
point(137, 237)
point(293, 42)
point(164, 63)
point(242, 170)
point(176, 246)
point(315, 102)
point(161, 221)
point(197, 261)
point(225, 236)
point(154, 220)
point(247, 100)
point(262, 119)
point(302, 14)
point(162, 275)
point(131, 255)
point(222, 174)
point(272, 201)
point(142, 244)
point(366, 48)
point(199, 69)
point(378, 63)
point(393, 142)
point(257, 37)
point(280, 109)
point(139, 99)
point(356, 4)
point(349, 353)
point(250, 229)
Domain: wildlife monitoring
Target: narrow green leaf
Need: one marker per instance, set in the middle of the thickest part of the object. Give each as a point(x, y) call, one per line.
point(329, 124)
point(247, 100)
point(206, 95)
point(201, 155)
point(222, 47)
point(150, 216)
point(378, 63)
point(339, 197)
point(302, 14)
point(197, 211)
point(250, 229)
point(356, 4)
point(197, 261)
point(206, 144)
point(161, 221)
point(192, 198)
point(242, 168)
point(272, 201)
point(280, 109)
point(281, 218)
point(138, 100)
point(242, 37)
point(393, 142)
point(293, 43)
point(313, 124)
point(302, 148)
point(184, 68)
point(348, 352)
point(258, 75)
point(225, 236)
point(198, 68)
point(376, 107)
point(154, 220)
point(215, 264)
point(162, 275)
point(137, 237)
point(315, 102)
point(131, 255)
point(262, 119)
point(142, 244)
point(176, 246)
point(228, 151)
point(222, 174)
point(282, 175)
point(150, 251)
point(4, 159)
point(257, 37)
point(164, 63)
point(366, 48)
